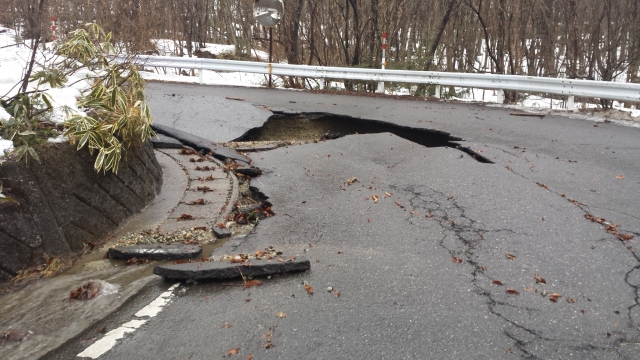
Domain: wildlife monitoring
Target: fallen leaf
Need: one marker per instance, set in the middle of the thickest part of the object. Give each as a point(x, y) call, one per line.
point(511, 257)
point(484, 268)
point(86, 292)
point(542, 185)
point(375, 198)
point(626, 237)
point(513, 291)
point(185, 217)
point(233, 351)
point(281, 315)
point(554, 297)
point(450, 197)
point(226, 325)
point(252, 283)
point(529, 289)
point(339, 251)
point(619, 177)
point(429, 216)
point(136, 261)
point(249, 357)
point(540, 279)
point(397, 203)
point(456, 260)
point(387, 195)
point(196, 202)
point(267, 336)
point(337, 294)
point(308, 288)
point(572, 300)
point(594, 219)
point(498, 282)
point(351, 180)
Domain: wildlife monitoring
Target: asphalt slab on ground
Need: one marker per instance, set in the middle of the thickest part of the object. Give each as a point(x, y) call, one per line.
point(455, 258)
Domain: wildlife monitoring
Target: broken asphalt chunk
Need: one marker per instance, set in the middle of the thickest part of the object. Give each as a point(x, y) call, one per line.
point(225, 270)
point(156, 252)
point(221, 232)
point(251, 172)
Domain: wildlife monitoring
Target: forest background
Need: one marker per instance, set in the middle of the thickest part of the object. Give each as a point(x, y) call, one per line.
point(578, 39)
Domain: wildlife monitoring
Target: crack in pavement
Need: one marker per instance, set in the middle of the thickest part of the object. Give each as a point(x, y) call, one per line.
point(468, 237)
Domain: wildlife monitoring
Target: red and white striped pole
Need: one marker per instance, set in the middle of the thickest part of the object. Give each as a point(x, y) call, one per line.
point(53, 28)
point(384, 60)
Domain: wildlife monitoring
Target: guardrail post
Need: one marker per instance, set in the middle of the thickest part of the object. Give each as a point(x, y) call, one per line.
point(500, 96)
point(201, 74)
point(438, 91)
point(321, 84)
point(570, 102)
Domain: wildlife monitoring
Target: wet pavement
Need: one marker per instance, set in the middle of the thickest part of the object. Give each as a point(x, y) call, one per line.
point(43, 309)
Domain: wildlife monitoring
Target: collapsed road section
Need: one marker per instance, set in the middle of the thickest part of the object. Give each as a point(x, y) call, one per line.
point(324, 126)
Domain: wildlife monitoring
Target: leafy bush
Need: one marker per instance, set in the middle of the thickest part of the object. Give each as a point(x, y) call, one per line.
point(117, 117)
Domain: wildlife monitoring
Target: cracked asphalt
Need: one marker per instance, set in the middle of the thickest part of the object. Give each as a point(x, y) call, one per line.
point(444, 264)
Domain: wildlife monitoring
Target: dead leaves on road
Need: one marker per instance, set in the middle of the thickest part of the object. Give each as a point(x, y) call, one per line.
point(86, 292)
point(268, 344)
point(456, 260)
point(540, 279)
point(308, 288)
point(185, 217)
point(554, 297)
point(511, 256)
point(542, 185)
point(610, 227)
point(252, 283)
point(233, 351)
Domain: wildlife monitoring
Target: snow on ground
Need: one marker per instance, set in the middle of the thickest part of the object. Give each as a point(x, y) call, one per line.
point(13, 60)
point(168, 48)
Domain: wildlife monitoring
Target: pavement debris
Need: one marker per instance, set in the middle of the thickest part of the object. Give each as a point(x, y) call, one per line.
point(226, 270)
point(156, 252)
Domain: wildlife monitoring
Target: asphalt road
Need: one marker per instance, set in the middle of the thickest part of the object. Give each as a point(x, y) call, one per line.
point(418, 272)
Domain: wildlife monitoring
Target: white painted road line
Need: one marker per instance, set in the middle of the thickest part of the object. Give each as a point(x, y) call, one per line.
point(110, 340)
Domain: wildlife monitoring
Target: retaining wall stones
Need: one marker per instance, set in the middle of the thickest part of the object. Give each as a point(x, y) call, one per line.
point(64, 204)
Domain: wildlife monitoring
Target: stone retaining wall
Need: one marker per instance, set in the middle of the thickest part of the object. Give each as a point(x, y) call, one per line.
point(64, 204)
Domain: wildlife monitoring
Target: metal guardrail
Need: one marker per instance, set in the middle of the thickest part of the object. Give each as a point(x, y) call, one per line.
point(567, 87)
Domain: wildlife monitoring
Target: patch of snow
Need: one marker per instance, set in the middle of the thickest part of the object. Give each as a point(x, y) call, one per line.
point(58, 139)
point(6, 146)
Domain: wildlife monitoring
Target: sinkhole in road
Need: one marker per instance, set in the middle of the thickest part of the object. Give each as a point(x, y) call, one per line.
point(325, 126)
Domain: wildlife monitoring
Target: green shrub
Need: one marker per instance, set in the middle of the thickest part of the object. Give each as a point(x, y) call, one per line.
point(117, 117)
